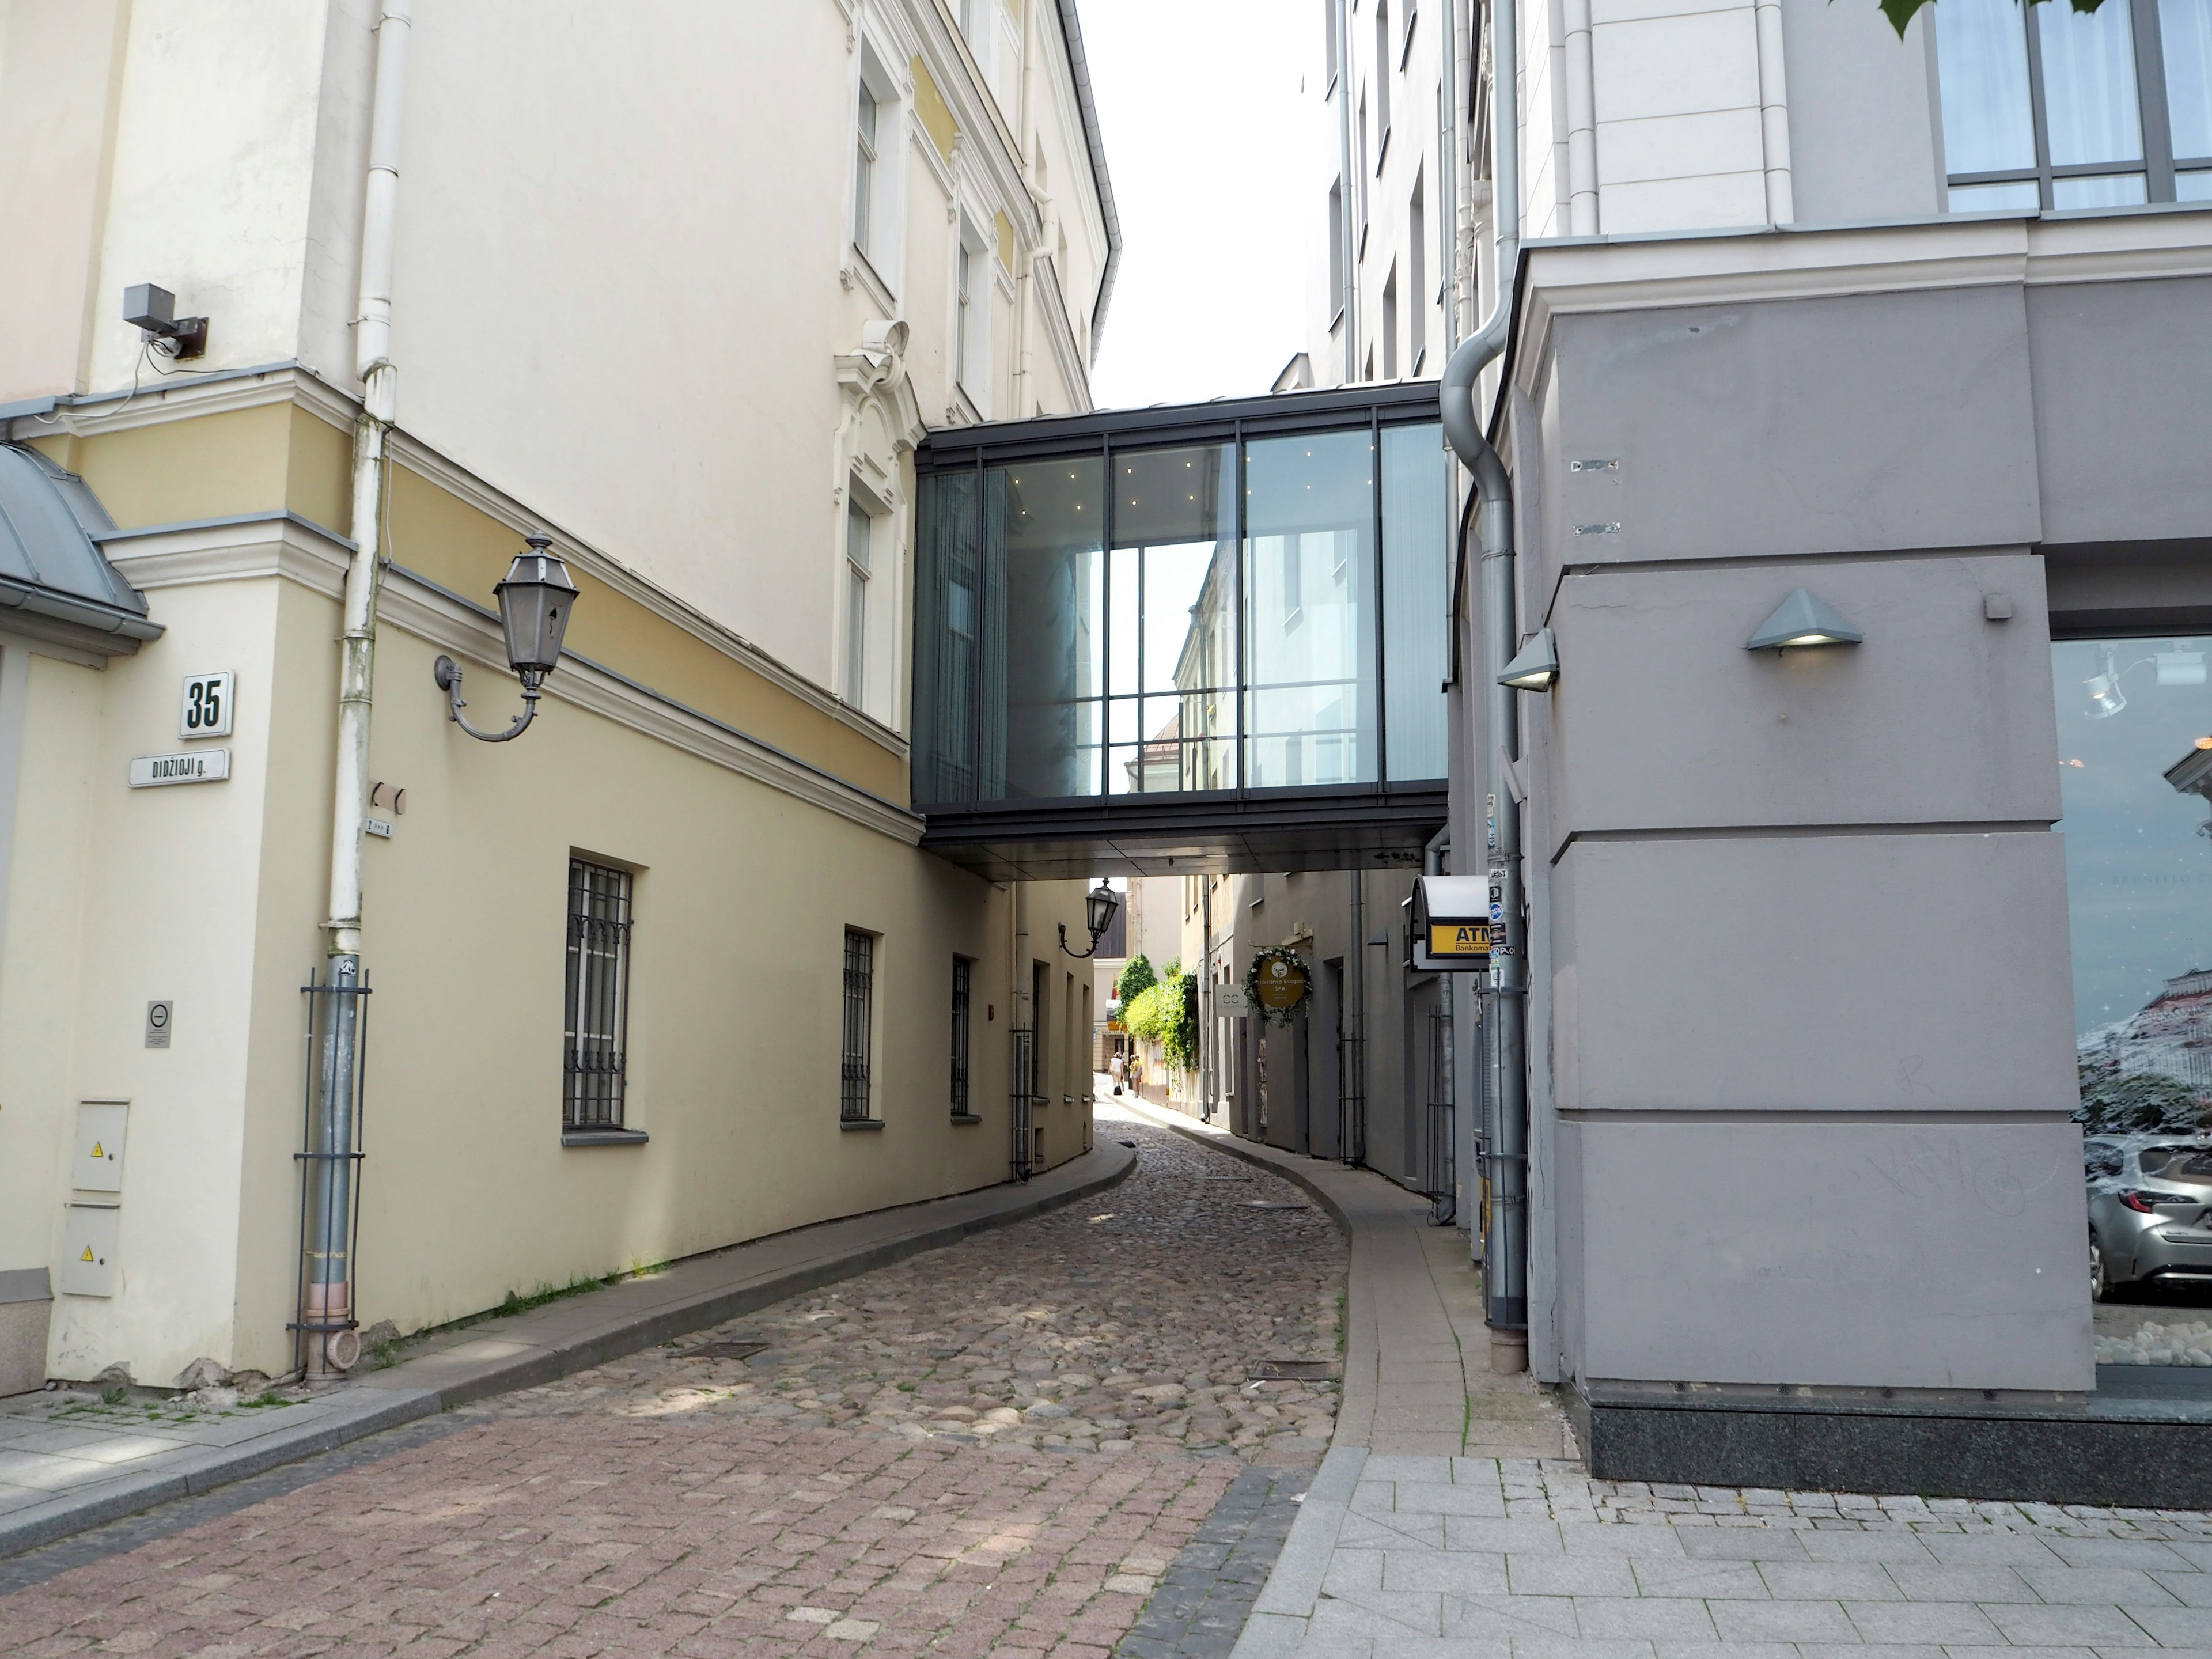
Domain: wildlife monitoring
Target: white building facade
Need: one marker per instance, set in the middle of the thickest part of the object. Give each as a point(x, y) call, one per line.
point(637, 977)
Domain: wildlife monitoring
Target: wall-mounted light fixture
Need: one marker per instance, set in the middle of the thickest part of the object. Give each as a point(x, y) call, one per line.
point(1537, 666)
point(534, 602)
point(1098, 907)
point(152, 309)
point(1803, 618)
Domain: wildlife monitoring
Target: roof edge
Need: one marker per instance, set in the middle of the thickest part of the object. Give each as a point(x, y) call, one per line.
point(1079, 67)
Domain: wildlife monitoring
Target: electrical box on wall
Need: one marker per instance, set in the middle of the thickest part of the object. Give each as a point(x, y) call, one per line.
point(100, 1128)
point(90, 1263)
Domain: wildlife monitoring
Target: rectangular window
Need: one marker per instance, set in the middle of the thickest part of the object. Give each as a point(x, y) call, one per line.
point(593, 1037)
point(856, 1095)
point(2045, 107)
point(1416, 286)
point(1330, 10)
point(963, 311)
point(1359, 184)
point(1381, 81)
point(963, 985)
point(1405, 34)
point(1336, 252)
point(859, 527)
point(1390, 325)
point(2133, 787)
point(864, 170)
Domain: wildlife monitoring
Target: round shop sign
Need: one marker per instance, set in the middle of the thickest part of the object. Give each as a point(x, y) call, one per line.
point(1282, 984)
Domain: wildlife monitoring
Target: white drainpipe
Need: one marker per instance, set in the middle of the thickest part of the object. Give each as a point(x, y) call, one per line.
point(328, 1299)
point(1582, 122)
point(1774, 114)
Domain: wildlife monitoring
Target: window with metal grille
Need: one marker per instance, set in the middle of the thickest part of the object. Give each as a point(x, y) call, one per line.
point(963, 979)
point(852, 1099)
point(594, 1038)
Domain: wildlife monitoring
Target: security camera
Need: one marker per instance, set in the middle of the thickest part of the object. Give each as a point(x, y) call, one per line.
point(152, 309)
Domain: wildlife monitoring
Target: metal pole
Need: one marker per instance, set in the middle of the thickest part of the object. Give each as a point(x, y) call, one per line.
point(328, 1296)
point(1506, 1250)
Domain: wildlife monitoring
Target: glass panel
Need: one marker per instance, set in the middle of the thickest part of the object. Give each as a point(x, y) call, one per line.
point(2112, 189)
point(2134, 747)
point(1981, 52)
point(1994, 198)
point(1416, 606)
point(2088, 85)
point(1308, 609)
point(1046, 519)
point(2185, 30)
point(947, 622)
point(2192, 187)
point(1174, 516)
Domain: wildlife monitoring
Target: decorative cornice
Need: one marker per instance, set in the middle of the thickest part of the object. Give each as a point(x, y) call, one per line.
point(181, 399)
point(248, 548)
point(419, 607)
point(1634, 273)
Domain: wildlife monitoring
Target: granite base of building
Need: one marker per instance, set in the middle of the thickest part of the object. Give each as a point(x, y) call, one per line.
point(2143, 1440)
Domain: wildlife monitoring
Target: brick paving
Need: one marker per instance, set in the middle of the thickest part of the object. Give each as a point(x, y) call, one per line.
point(998, 1448)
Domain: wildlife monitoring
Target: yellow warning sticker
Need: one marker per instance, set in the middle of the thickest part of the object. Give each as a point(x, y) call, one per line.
point(1459, 938)
point(87, 1256)
point(96, 1151)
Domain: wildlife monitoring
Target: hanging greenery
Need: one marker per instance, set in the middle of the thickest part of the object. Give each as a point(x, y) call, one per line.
point(1166, 1013)
point(1291, 986)
point(1137, 976)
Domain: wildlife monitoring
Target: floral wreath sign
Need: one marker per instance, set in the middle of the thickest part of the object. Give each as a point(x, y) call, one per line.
point(1278, 983)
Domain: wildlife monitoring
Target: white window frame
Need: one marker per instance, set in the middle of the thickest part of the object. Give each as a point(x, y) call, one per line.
point(878, 263)
point(862, 585)
point(968, 325)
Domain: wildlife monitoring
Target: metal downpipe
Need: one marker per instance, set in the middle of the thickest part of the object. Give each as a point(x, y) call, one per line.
point(1505, 1243)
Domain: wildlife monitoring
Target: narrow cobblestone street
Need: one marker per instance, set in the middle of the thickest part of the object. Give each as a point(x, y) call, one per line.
point(998, 1447)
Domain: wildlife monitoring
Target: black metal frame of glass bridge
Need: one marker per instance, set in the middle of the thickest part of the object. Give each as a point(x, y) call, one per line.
point(1017, 778)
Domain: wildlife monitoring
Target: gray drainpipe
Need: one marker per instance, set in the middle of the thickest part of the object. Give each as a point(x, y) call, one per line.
point(1505, 1243)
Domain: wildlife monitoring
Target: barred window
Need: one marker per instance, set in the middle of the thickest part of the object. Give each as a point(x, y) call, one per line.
point(859, 999)
point(595, 1035)
point(963, 979)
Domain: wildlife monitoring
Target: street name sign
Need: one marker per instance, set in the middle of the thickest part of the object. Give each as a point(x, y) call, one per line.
point(198, 766)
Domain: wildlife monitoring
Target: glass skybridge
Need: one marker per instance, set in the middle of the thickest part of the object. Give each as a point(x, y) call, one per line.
point(1211, 636)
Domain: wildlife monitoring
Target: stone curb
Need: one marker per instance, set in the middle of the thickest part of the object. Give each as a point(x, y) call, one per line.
point(506, 1359)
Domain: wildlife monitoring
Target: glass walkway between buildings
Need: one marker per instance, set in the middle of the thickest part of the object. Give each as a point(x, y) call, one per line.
point(1205, 637)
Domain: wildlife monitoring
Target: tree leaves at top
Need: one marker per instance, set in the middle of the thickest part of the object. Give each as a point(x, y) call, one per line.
point(1137, 976)
point(1899, 12)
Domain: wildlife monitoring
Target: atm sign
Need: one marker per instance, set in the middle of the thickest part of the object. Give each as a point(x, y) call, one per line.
point(1459, 938)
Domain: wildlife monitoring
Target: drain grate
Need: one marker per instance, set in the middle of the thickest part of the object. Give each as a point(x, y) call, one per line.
point(1270, 1204)
point(1291, 1371)
point(723, 1350)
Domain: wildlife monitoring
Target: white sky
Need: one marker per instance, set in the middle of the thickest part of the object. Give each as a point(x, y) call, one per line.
point(1204, 126)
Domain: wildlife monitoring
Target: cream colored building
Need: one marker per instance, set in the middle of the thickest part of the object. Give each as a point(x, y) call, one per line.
point(680, 291)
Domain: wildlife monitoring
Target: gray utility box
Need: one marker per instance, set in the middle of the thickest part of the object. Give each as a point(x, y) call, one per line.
point(26, 1300)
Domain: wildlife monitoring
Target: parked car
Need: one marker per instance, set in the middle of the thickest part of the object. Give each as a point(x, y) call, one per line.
point(2150, 1210)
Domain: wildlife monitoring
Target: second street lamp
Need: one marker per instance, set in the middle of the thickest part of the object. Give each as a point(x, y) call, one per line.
point(1098, 907)
point(534, 602)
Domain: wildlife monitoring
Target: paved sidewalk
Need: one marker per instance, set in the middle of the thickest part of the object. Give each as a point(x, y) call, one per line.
point(69, 1460)
point(1409, 1545)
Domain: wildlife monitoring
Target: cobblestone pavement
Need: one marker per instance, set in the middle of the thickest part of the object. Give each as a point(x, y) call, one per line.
point(997, 1448)
point(1463, 1557)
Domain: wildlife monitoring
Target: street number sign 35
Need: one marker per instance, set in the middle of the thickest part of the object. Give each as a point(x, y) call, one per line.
point(207, 710)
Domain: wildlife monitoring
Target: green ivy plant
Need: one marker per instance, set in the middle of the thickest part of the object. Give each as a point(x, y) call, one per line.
point(1166, 1013)
point(1137, 976)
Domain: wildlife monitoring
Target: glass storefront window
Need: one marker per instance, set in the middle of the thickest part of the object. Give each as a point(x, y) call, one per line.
point(1416, 599)
point(1173, 716)
point(1310, 610)
point(1144, 619)
point(2135, 756)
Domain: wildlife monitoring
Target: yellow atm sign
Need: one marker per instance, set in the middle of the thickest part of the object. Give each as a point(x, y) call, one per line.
point(1459, 938)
